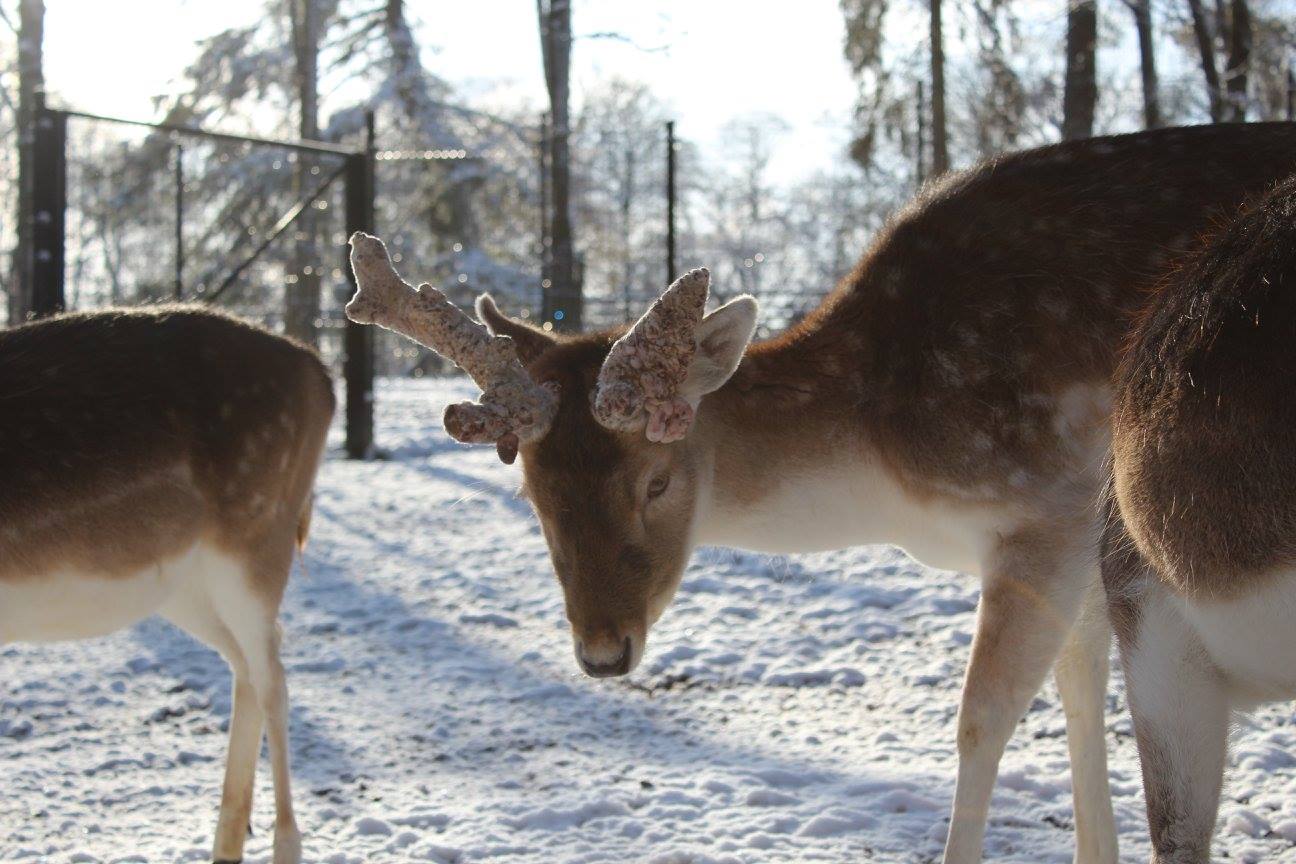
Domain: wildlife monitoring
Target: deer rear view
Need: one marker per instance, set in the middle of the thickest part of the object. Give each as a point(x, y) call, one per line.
point(951, 397)
point(1200, 557)
point(162, 462)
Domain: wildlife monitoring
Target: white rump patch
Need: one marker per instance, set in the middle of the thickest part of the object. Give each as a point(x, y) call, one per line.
point(1251, 639)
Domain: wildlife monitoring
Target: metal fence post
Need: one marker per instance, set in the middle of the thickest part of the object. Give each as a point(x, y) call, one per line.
point(49, 205)
point(670, 202)
point(358, 360)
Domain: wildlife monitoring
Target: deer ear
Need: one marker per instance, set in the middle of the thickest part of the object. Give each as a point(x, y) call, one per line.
point(529, 341)
point(722, 337)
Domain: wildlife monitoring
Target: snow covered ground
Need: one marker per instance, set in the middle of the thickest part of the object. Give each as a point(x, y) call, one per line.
point(788, 710)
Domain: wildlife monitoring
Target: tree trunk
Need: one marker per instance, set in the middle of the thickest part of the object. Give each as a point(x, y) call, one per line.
point(31, 88)
point(1206, 49)
point(1239, 61)
point(1142, 10)
point(1080, 91)
point(940, 138)
point(563, 294)
point(302, 292)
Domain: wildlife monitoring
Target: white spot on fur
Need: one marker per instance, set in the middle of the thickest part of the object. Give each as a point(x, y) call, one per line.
point(1056, 305)
point(950, 373)
point(1080, 409)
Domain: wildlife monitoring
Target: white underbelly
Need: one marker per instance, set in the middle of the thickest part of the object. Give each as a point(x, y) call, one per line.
point(69, 604)
point(1252, 640)
point(853, 506)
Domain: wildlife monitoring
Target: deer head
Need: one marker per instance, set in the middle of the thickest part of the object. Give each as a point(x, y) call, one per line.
point(607, 426)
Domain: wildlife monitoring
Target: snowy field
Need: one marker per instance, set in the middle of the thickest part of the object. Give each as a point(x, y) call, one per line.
point(788, 710)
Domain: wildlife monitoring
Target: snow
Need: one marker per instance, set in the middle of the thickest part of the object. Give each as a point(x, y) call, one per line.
point(788, 710)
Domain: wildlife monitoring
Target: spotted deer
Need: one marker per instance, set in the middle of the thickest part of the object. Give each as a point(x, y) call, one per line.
point(951, 396)
point(1200, 552)
point(162, 462)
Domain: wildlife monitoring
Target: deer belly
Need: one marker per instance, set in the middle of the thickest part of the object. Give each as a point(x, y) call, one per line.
point(1252, 639)
point(74, 604)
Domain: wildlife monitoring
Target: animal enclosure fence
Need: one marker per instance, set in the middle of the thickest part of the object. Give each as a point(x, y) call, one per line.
point(140, 213)
point(128, 212)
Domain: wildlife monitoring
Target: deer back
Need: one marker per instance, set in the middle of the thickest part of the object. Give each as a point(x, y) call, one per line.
point(974, 343)
point(125, 436)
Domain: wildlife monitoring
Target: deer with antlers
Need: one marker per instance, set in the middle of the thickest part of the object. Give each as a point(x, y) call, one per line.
point(1200, 552)
point(951, 397)
point(162, 462)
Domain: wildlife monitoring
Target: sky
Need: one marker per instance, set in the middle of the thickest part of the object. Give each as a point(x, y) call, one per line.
point(710, 60)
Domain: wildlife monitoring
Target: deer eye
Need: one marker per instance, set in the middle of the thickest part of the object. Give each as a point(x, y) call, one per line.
point(658, 485)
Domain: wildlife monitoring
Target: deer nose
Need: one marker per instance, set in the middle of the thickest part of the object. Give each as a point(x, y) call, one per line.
point(605, 663)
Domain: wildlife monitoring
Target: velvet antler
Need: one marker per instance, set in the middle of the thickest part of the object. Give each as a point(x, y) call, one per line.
point(639, 384)
point(512, 408)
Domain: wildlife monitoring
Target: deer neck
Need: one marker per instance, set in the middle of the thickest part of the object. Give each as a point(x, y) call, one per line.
point(788, 465)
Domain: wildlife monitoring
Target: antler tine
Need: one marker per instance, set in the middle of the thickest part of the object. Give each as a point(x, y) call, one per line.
point(424, 315)
point(512, 408)
point(640, 380)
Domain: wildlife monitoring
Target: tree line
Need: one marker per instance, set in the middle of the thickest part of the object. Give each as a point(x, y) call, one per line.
point(562, 205)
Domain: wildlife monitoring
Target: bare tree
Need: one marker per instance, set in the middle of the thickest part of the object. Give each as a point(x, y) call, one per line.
point(1142, 10)
point(863, 49)
point(31, 86)
point(994, 98)
point(1080, 90)
point(940, 135)
point(618, 172)
point(1206, 50)
point(302, 293)
point(563, 295)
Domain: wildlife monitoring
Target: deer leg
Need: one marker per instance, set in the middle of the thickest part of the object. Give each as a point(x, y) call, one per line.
point(195, 614)
point(1081, 674)
point(1028, 602)
point(248, 607)
point(259, 639)
point(1180, 706)
point(272, 688)
point(240, 769)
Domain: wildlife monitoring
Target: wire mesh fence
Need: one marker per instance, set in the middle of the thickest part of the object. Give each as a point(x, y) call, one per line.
point(157, 215)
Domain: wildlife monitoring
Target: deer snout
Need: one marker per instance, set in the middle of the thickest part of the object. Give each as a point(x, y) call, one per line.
point(606, 657)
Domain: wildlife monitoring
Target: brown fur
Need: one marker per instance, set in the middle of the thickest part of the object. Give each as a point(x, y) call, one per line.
point(611, 556)
point(1205, 454)
point(944, 354)
point(1125, 574)
point(128, 435)
point(1003, 286)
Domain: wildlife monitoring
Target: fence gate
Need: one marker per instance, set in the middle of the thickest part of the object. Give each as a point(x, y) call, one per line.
point(354, 167)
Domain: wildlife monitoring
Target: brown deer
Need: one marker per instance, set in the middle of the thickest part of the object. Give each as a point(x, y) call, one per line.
point(162, 461)
point(951, 396)
point(1200, 553)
